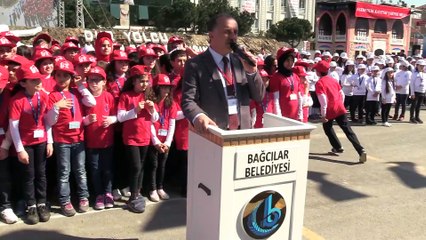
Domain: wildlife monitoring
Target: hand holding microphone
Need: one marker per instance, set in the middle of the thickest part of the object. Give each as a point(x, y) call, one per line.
point(248, 60)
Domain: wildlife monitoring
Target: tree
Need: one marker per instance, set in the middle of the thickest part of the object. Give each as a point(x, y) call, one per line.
point(245, 22)
point(181, 14)
point(291, 31)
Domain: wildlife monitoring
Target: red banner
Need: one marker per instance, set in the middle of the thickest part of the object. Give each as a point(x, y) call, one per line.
point(368, 10)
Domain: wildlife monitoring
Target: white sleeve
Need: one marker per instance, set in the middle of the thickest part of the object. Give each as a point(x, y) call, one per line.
point(51, 118)
point(49, 134)
point(155, 116)
point(300, 112)
point(170, 132)
point(253, 114)
point(88, 99)
point(322, 98)
point(123, 115)
point(343, 96)
point(412, 83)
point(180, 115)
point(14, 131)
point(277, 103)
point(113, 119)
point(154, 138)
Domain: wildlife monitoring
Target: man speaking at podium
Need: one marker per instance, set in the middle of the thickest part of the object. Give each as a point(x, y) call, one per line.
point(218, 84)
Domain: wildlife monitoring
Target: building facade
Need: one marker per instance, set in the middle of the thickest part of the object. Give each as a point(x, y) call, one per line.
point(357, 29)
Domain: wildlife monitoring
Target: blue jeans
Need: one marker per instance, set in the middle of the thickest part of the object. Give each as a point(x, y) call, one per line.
point(71, 158)
point(100, 162)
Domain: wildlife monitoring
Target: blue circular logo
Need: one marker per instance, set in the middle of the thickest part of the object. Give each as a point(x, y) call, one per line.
point(264, 214)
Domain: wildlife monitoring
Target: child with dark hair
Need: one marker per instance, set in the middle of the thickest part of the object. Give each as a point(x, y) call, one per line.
point(388, 95)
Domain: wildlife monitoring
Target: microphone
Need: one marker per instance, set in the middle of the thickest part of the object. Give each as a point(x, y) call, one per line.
point(238, 50)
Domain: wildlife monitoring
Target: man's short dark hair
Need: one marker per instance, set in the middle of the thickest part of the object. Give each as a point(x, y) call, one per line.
point(212, 23)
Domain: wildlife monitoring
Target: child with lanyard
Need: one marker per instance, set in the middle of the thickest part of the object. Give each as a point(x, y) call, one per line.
point(137, 113)
point(162, 133)
point(66, 117)
point(285, 86)
point(358, 82)
point(32, 138)
point(69, 50)
point(374, 88)
point(99, 135)
point(117, 73)
point(6, 211)
point(44, 62)
point(418, 89)
point(148, 58)
point(402, 86)
point(82, 65)
point(388, 95)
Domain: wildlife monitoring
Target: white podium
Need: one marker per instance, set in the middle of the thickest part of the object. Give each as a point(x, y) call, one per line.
point(248, 184)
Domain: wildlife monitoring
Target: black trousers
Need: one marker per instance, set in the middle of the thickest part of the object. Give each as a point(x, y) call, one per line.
point(357, 104)
point(386, 107)
point(348, 101)
point(136, 156)
point(371, 108)
point(401, 100)
point(5, 185)
point(35, 183)
point(158, 167)
point(415, 105)
point(343, 123)
point(119, 163)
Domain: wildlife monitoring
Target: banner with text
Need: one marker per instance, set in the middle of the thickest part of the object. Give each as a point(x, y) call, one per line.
point(374, 11)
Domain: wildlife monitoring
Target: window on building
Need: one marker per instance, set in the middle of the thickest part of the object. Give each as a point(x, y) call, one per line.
point(361, 27)
point(283, 3)
point(271, 5)
point(325, 24)
point(341, 25)
point(268, 24)
point(302, 3)
point(398, 30)
point(380, 26)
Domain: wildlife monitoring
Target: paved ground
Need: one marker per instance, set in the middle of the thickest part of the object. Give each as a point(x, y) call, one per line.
point(382, 199)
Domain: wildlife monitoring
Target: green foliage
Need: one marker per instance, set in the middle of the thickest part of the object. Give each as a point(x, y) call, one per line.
point(181, 14)
point(291, 31)
point(99, 12)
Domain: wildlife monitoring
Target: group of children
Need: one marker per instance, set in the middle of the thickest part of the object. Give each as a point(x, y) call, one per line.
point(114, 114)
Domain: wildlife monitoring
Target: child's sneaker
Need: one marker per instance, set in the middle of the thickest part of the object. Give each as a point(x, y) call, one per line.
point(153, 196)
point(68, 210)
point(32, 215)
point(162, 194)
point(109, 201)
point(83, 206)
point(99, 204)
point(8, 216)
point(126, 192)
point(43, 212)
point(137, 204)
point(116, 194)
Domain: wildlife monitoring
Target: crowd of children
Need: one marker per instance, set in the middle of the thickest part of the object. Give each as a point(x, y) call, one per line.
point(116, 111)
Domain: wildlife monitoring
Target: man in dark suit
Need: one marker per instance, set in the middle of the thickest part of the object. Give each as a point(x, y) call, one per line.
point(217, 84)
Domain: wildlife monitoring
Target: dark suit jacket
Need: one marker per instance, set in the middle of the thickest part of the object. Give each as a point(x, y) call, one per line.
point(203, 91)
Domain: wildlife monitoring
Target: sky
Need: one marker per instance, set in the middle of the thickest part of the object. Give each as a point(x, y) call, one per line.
point(415, 2)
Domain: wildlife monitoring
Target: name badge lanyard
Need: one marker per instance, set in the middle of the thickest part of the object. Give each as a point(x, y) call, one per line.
point(163, 116)
point(72, 108)
point(229, 80)
point(36, 114)
point(291, 81)
point(360, 80)
point(118, 84)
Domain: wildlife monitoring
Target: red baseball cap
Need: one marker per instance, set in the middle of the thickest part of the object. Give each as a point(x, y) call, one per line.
point(81, 59)
point(322, 66)
point(17, 59)
point(42, 53)
point(138, 70)
point(174, 39)
point(68, 46)
point(162, 80)
point(65, 66)
point(4, 76)
point(299, 71)
point(260, 62)
point(263, 73)
point(9, 35)
point(130, 49)
point(159, 47)
point(98, 71)
point(44, 36)
point(144, 52)
point(283, 51)
point(58, 58)
point(28, 71)
point(4, 42)
point(71, 39)
point(301, 63)
point(118, 55)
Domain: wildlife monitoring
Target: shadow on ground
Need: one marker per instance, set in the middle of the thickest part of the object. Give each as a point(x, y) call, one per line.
point(167, 215)
point(321, 157)
point(408, 175)
point(332, 190)
point(47, 235)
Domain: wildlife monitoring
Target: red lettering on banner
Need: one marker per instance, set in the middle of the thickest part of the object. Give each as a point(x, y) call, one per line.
point(374, 11)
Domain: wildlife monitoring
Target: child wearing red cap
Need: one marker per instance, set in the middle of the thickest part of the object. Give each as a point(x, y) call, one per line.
point(44, 62)
point(6, 48)
point(69, 50)
point(117, 73)
point(99, 135)
point(82, 65)
point(66, 121)
point(137, 112)
point(148, 58)
point(162, 133)
point(32, 138)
